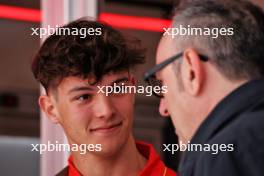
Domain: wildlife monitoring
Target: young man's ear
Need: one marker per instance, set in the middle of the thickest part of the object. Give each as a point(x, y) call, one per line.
point(47, 106)
point(192, 72)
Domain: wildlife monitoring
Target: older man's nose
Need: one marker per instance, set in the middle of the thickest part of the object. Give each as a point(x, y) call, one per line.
point(163, 108)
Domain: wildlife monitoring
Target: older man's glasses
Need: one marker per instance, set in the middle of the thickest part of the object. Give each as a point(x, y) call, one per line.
point(150, 76)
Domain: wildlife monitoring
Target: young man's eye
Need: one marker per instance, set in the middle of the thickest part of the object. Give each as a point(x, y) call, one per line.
point(123, 83)
point(84, 97)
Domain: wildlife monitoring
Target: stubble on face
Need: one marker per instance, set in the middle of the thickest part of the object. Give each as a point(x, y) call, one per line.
point(170, 79)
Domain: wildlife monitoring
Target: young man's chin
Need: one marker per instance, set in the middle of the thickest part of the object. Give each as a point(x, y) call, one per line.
point(109, 149)
point(113, 146)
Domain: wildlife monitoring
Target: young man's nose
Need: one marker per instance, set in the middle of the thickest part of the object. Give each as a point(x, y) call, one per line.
point(163, 108)
point(104, 107)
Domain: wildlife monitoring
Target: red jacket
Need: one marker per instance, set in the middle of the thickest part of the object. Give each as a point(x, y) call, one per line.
point(153, 167)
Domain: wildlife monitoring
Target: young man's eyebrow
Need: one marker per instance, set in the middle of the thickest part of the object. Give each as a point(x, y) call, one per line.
point(79, 88)
point(125, 78)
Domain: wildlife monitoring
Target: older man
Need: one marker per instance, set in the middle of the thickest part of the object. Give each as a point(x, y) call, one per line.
point(212, 61)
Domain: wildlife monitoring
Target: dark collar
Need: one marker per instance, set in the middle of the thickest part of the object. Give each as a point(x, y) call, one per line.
point(228, 109)
point(237, 102)
point(63, 172)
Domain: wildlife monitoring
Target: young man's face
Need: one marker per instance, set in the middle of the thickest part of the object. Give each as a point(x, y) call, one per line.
point(89, 117)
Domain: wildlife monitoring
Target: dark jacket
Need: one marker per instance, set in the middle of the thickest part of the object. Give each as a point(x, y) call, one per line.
point(63, 172)
point(239, 120)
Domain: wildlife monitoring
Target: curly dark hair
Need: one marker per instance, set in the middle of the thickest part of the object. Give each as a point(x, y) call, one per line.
point(61, 56)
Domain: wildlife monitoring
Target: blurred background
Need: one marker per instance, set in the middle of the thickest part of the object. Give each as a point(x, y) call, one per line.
point(21, 122)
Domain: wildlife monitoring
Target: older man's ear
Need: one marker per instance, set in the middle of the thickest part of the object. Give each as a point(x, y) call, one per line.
point(192, 72)
point(47, 106)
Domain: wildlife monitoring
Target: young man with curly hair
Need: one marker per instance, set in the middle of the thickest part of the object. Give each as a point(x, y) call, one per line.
point(70, 68)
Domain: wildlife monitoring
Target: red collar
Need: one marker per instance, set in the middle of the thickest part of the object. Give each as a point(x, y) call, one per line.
point(153, 167)
point(73, 171)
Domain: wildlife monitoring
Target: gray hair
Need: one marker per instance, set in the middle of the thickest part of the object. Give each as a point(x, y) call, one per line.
point(237, 56)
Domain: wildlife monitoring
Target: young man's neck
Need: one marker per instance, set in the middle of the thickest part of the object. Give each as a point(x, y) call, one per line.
point(127, 161)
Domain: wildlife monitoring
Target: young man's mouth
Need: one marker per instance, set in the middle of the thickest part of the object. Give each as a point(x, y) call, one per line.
point(107, 129)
